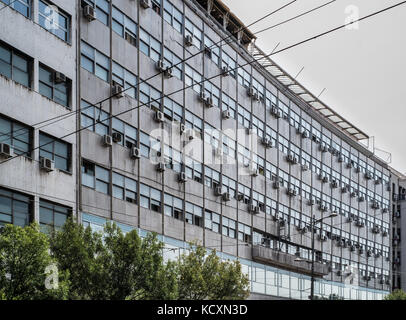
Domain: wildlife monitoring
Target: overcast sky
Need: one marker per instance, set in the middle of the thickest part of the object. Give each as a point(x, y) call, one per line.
point(363, 70)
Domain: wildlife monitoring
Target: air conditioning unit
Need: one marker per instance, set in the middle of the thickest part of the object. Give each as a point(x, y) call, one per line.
point(384, 233)
point(322, 207)
point(208, 102)
point(135, 153)
point(375, 229)
point(59, 77)
point(256, 96)
point(117, 90)
point(168, 72)
point(349, 165)
point(145, 4)
point(47, 164)
point(361, 199)
point(369, 253)
point(339, 273)
point(182, 177)
point(305, 167)
point(368, 175)
point(159, 116)
point(334, 184)
point(226, 196)
point(305, 135)
point(6, 150)
point(276, 185)
point(218, 191)
point(160, 167)
point(253, 209)
point(385, 210)
point(378, 181)
point(266, 141)
point(89, 13)
point(375, 205)
point(160, 65)
point(323, 148)
point(117, 136)
point(208, 51)
point(312, 202)
point(251, 91)
point(340, 159)
point(226, 114)
point(188, 40)
point(360, 224)
point(107, 140)
point(289, 158)
point(357, 169)
point(352, 248)
point(291, 192)
point(353, 194)
point(225, 71)
point(275, 112)
point(255, 172)
point(240, 197)
point(322, 237)
point(325, 179)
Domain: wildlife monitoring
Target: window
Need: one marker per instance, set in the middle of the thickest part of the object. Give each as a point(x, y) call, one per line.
point(102, 9)
point(149, 147)
point(173, 16)
point(173, 207)
point(22, 6)
point(15, 65)
point(229, 228)
point(212, 49)
point(212, 221)
point(244, 233)
point(94, 119)
point(193, 169)
point(56, 150)
point(126, 79)
point(150, 198)
point(193, 78)
point(173, 110)
point(192, 30)
point(54, 20)
point(149, 96)
point(229, 62)
point(124, 188)
point(150, 46)
point(17, 135)
point(94, 61)
point(194, 214)
point(95, 177)
point(244, 78)
point(52, 216)
point(173, 61)
point(15, 208)
point(229, 104)
point(124, 26)
point(128, 133)
point(49, 87)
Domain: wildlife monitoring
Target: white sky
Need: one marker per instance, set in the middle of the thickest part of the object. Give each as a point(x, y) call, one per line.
point(362, 70)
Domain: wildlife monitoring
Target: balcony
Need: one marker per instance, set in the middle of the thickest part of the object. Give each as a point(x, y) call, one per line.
point(287, 261)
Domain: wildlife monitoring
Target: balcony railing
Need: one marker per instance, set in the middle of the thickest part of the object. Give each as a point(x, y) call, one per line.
point(287, 261)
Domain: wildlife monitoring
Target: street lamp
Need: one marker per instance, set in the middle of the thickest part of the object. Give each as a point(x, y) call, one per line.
point(313, 223)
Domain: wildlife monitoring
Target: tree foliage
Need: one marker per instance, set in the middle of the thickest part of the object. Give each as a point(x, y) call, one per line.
point(397, 294)
point(206, 277)
point(24, 258)
point(110, 265)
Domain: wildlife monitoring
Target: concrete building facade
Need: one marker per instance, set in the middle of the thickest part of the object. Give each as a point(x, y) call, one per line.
point(215, 148)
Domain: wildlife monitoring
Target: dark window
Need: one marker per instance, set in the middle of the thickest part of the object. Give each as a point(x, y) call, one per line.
point(56, 150)
point(52, 216)
point(15, 65)
point(15, 208)
point(54, 89)
point(17, 135)
point(95, 177)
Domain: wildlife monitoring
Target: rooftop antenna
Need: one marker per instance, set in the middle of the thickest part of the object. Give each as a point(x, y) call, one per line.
point(322, 91)
point(299, 72)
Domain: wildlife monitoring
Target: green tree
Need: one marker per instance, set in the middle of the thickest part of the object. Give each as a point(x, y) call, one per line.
point(207, 277)
point(397, 294)
point(24, 262)
point(113, 265)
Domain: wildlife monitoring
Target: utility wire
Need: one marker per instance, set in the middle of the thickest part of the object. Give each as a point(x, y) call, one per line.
point(179, 63)
point(245, 64)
